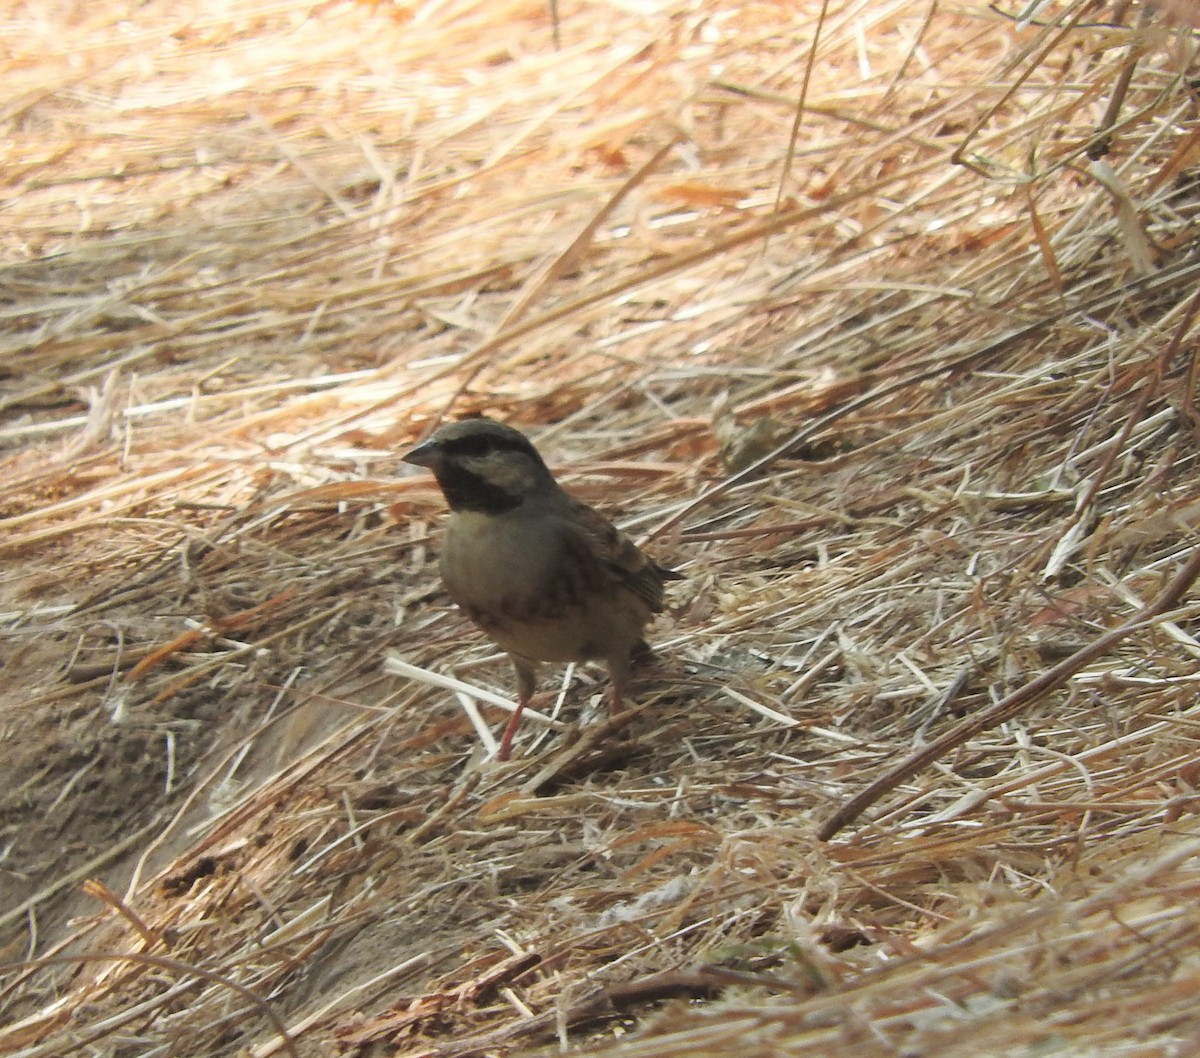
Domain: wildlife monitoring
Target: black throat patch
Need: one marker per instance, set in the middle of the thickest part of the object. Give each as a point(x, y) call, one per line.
point(465, 491)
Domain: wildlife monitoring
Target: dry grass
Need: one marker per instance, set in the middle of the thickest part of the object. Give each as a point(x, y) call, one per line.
point(902, 377)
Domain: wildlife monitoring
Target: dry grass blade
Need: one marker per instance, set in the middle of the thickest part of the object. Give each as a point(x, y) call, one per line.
point(1020, 699)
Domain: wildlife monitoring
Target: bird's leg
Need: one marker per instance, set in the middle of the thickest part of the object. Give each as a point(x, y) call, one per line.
point(525, 684)
point(510, 729)
point(618, 675)
point(616, 698)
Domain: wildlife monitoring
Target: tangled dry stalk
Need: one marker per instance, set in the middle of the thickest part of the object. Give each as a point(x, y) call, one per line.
point(879, 319)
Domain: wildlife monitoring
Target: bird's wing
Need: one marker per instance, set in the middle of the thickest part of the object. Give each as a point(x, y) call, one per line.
point(617, 558)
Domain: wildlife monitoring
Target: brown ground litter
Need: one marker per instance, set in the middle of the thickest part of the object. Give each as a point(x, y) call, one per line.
point(880, 320)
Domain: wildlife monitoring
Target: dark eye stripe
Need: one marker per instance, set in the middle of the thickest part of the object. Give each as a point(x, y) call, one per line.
point(465, 491)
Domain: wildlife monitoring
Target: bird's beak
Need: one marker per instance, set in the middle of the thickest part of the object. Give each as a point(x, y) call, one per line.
point(424, 455)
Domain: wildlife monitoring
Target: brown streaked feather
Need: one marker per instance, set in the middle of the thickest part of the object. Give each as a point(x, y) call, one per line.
point(624, 560)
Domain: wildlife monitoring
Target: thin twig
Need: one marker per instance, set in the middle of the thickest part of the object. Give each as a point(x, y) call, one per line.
point(1014, 703)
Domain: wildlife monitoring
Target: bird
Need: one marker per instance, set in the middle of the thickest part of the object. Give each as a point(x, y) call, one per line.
point(545, 576)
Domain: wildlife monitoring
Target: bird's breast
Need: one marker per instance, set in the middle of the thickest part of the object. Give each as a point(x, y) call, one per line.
point(522, 583)
point(494, 563)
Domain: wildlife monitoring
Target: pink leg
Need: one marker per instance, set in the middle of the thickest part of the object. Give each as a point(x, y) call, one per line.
point(618, 674)
point(526, 681)
point(510, 729)
point(616, 698)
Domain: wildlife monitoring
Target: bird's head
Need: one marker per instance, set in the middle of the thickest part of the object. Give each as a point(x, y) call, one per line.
point(483, 465)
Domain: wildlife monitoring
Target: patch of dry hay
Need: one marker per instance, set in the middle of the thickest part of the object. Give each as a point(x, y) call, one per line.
point(917, 419)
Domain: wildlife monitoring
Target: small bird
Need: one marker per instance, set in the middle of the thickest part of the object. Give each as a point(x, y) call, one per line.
point(547, 577)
